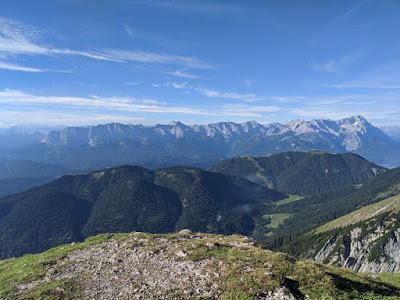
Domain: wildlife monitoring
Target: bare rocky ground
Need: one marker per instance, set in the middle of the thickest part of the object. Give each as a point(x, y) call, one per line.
point(140, 267)
point(182, 265)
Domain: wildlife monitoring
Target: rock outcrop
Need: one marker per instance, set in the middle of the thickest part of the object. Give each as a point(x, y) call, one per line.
point(368, 246)
point(184, 265)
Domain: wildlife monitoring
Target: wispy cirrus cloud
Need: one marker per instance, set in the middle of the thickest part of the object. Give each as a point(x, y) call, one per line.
point(173, 84)
point(335, 65)
point(210, 93)
point(60, 110)
point(129, 31)
point(250, 110)
point(18, 98)
point(183, 74)
point(362, 84)
point(229, 95)
point(249, 82)
point(351, 11)
point(132, 82)
point(14, 67)
point(386, 76)
point(151, 57)
point(378, 108)
point(18, 39)
point(201, 7)
point(325, 67)
point(70, 119)
point(285, 99)
point(179, 86)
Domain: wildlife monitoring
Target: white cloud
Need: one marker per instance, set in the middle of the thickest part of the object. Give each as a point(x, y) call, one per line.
point(377, 108)
point(360, 84)
point(200, 7)
point(214, 93)
point(128, 104)
point(172, 84)
point(150, 57)
point(386, 76)
point(326, 67)
point(249, 111)
point(288, 99)
point(350, 11)
point(319, 101)
point(17, 105)
point(17, 39)
point(179, 85)
point(53, 118)
point(129, 31)
point(229, 95)
point(182, 74)
point(14, 67)
point(249, 82)
point(133, 82)
point(335, 65)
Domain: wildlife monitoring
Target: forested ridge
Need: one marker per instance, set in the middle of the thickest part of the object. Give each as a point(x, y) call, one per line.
point(301, 173)
point(316, 210)
point(129, 198)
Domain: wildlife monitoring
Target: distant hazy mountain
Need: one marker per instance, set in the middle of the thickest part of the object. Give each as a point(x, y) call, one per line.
point(12, 138)
point(17, 175)
point(203, 145)
point(17, 168)
point(392, 131)
point(301, 173)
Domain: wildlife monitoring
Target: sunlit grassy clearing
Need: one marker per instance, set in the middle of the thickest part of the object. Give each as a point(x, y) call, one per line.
point(276, 219)
point(291, 198)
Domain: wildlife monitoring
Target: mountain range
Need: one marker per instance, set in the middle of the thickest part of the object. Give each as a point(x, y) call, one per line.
point(15, 137)
point(95, 147)
point(392, 131)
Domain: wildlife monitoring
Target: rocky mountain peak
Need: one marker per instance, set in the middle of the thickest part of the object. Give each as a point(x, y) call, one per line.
point(175, 123)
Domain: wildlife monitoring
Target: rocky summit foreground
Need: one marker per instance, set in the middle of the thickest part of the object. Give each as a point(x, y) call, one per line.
point(179, 266)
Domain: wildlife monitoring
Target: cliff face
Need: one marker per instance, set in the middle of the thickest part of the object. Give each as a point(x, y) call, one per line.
point(368, 246)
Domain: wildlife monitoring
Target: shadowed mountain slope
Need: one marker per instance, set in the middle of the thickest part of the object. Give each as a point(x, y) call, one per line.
point(129, 198)
point(301, 173)
point(316, 210)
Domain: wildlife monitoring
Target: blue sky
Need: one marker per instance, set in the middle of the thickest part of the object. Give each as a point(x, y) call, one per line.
point(150, 61)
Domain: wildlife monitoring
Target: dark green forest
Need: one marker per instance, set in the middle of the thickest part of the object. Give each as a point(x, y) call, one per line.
point(316, 210)
point(126, 199)
point(301, 173)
